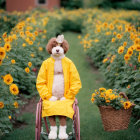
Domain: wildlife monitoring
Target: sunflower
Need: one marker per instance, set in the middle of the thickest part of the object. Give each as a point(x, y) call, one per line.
point(119, 36)
point(8, 79)
point(130, 52)
point(137, 41)
point(29, 64)
point(15, 104)
point(40, 49)
point(30, 42)
point(1, 105)
point(2, 53)
point(14, 89)
point(27, 70)
point(121, 49)
point(126, 57)
point(32, 55)
point(23, 45)
point(127, 105)
point(9, 117)
point(7, 47)
point(113, 39)
point(107, 101)
point(124, 44)
point(36, 33)
point(137, 47)
point(13, 61)
point(102, 89)
point(105, 60)
point(92, 100)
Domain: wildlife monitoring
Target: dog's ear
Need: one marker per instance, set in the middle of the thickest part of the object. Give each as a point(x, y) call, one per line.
point(51, 43)
point(65, 46)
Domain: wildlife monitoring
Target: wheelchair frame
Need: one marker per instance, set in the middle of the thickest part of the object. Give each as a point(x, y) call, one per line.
point(38, 123)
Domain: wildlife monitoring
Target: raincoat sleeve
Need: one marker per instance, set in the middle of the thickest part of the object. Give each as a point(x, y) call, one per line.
point(41, 82)
point(75, 82)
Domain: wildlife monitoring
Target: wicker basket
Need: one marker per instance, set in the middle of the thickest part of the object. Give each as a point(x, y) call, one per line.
point(113, 119)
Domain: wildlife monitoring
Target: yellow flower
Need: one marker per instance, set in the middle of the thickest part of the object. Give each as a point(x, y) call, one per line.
point(107, 101)
point(21, 34)
point(114, 33)
point(102, 89)
point(27, 70)
point(16, 104)
point(113, 39)
point(2, 53)
point(112, 96)
point(1, 105)
point(14, 89)
point(129, 51)
point(93, 94)
point(96, 40)
point(30, 42)
point(79, 36)
point(127, 105)
point(137, 41)
point(29, 64)
point(109, 91)
point(124, 44)
point(36, 33)
point(23, 44)
point(7, 47)
point(8, 79)
point(32, 55)
point(92, 100)
point(121, 49)
point(126, 57)
point(137, 47)
point(119, 36)
point(13, 61)
point(9, 117)
point(105, 60)
point(40, 49)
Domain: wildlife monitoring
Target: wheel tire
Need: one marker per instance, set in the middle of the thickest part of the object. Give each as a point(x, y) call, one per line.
point(77, 124)
point(38, 122)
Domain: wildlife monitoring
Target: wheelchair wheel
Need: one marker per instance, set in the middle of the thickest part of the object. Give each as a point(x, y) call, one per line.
point(38, 122)
point(77, 123)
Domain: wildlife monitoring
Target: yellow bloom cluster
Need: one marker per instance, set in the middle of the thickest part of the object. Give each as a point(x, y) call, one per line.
point(109, 97)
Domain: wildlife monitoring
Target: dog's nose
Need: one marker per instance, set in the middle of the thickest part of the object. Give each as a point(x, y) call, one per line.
point(57, 50)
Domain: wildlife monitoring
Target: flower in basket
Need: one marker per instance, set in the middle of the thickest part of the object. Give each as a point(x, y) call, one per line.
point(110, 97)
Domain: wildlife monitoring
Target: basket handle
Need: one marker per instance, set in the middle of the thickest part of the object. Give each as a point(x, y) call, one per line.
point(124, 95)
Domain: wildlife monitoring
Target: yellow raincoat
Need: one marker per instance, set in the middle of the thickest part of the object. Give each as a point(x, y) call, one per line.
point(44, 85)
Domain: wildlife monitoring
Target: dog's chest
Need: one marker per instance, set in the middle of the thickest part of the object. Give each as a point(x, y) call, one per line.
point(58, 82)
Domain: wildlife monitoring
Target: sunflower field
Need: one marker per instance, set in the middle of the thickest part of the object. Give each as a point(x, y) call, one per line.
point(112, 41)
point(21, 54)
point(110, 38)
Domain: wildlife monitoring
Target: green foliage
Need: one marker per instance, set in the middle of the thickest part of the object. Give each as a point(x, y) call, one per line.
point(72, 4)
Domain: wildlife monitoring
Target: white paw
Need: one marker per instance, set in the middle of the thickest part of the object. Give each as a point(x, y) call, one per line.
point(62, 133)
point(63, 136)
point(53, 133)
point(53, 98)
point(63, 98)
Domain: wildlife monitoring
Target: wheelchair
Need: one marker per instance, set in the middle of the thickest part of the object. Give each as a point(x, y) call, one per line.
point(74, 135)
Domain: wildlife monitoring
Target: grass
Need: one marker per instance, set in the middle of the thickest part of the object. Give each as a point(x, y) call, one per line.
point(91, 125)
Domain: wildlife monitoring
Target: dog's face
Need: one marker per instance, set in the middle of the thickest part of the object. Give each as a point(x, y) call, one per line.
point(57, 49)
